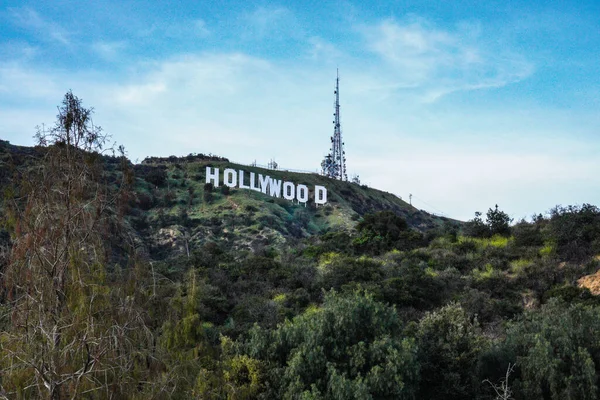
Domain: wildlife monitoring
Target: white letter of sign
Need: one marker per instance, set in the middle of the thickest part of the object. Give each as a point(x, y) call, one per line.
point(320, 194)
point(275, 188)
point(242, 186)
point(253, 182)
point(212, 176)
point(264, 183)
point(302, 193)
point(288, 191)
point(230, 178)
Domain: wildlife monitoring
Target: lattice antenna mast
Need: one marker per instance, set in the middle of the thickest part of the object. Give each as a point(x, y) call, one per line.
point(339, 154)
point(334, 165)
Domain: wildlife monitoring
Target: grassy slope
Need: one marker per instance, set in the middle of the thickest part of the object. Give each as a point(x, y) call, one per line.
point(175, 216)
point(246, 219)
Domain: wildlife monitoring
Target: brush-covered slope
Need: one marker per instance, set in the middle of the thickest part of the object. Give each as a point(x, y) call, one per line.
point(174, 210)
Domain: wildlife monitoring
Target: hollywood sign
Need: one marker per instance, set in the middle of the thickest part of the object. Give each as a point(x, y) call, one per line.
point(265, 184)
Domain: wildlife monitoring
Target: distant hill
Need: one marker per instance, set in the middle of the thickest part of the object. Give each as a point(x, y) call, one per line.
point(174, 211)
point(228, 286)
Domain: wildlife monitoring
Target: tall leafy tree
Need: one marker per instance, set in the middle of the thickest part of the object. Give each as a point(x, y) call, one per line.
point(498, 222)
point(184, 341)
point(351, 348)
point(557, 352)
point(450, 343)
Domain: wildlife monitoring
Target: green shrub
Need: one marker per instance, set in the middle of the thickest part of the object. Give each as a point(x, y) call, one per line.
point(557, 352)
point(450, 343)
point(349, 348)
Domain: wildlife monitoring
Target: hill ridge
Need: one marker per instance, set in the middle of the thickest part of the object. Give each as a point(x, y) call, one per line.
point(172, 209)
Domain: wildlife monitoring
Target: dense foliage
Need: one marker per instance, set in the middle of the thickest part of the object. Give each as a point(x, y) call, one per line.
point(157, 286)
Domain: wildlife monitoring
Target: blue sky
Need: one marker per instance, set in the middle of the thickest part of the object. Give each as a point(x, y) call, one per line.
point(465, 104)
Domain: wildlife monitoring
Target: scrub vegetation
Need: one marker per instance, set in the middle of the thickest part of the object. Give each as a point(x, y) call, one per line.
point(143, 282)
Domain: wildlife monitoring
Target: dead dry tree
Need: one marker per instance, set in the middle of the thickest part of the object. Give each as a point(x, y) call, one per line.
point(502, 389)
point(72, 333)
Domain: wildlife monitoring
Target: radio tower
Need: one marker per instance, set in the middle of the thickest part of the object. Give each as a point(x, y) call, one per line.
point(334, 164)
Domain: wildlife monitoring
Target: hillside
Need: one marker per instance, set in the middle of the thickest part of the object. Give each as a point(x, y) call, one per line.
point(187, 290)
point(174, 210)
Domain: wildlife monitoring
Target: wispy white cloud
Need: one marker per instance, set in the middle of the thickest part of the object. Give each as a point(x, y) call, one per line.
point(22, 82)
point(30, 19)
point(439, 61)
point(188, 29)
point(321, 49)
point(109, 50)
point(248, 107)
point(276, 23)
point(139, 94)
point(18, 50)
point(201, 28)
point(159, 30)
